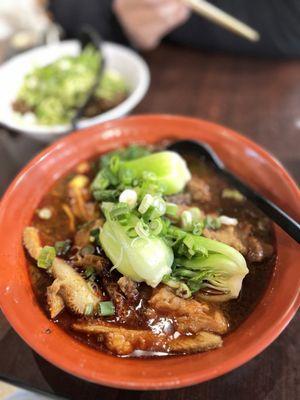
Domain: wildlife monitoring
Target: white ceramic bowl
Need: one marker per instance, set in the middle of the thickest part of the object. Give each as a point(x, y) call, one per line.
point(119, 58)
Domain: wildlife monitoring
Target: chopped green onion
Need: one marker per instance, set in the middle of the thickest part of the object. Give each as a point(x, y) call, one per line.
point(128, 196)
point(187, 220)
point(156, 226)
point(106, 195)
point(126, 177)
point(106, 308)
point(198, 228)
point(212, 223)
point(131, 232)
point(44, 213)
point(119, 210)
point(142, 229)
point(159, 205)
point(46, 257)
point(145, 203)
point(196, 214)
point(89, 309)
point(172, 210)
point(114, 164)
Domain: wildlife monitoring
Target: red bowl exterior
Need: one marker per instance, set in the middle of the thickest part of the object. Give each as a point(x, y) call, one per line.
point(18, 302)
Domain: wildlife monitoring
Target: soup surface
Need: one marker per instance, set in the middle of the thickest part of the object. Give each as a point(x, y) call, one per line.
point(183, 312)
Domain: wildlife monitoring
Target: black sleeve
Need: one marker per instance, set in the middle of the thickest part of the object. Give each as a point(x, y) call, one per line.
point(277, 21)
point(73, 14)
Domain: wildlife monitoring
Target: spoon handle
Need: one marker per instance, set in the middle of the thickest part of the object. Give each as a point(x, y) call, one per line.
point(281, 218)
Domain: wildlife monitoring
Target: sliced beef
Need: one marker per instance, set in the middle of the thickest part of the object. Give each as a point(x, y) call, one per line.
point(191, 316)
point(241, 237)
point(90, 260)
point(129, 288)
point(82, 235)
point(125, 308)
point(229, 235)
point(199, 189)
point(258, 250)
point(180, 199)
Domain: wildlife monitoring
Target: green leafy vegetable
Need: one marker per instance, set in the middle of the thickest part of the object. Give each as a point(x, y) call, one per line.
point(152, 175)
point(145, 259)
point(46, 257)
point(169, 168)
point(129, 153)
point(218, 272)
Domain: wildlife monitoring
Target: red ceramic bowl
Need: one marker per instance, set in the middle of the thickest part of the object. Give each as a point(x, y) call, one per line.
point(17, 300)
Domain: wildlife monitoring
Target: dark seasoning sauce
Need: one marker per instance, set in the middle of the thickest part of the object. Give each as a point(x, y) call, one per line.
point(254, 284)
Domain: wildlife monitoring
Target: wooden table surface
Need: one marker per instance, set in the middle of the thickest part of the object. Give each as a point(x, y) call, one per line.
point(259, 98)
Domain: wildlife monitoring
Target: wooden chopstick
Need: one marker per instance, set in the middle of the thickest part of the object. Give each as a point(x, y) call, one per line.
point(220, 17)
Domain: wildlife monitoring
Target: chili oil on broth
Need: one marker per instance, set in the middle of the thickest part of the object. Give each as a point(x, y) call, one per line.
point(57, 229)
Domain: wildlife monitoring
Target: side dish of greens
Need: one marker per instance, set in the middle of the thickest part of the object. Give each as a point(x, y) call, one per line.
point(52, 93)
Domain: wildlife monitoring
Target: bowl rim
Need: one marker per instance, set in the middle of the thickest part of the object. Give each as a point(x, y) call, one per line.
point(267, 337)
point(128, 104)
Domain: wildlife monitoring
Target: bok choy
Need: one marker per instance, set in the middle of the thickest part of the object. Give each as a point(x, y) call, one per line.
point(204, 263)
point(158, 173)
point(133, 251)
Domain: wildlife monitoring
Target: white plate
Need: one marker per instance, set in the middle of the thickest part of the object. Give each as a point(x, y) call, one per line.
point(119, 58)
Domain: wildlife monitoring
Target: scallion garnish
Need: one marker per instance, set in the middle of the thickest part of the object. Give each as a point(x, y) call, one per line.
point(89, 309)
point(142, 229)
point(156, 226)
point(106, 308)
point(172, 210)
point(46, 257)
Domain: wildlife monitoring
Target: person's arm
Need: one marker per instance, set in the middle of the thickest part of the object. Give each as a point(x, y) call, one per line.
point(277, 21)
point(142, 23)
point(73, 14)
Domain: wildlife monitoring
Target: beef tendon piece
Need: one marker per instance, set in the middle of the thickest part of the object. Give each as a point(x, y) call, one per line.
point(122, 341)
point(199, 189)
point(70, 286)
point(191, 316)
point(203, 341)
point(32, 242)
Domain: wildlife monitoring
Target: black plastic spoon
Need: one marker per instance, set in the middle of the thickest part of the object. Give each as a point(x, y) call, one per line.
point(287, 223)
point(88, 36)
